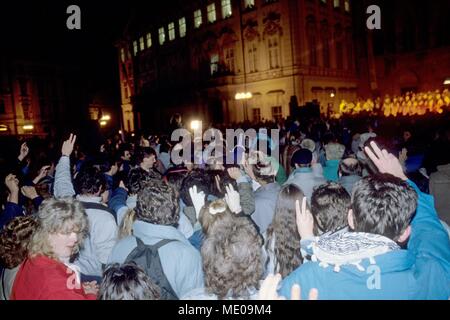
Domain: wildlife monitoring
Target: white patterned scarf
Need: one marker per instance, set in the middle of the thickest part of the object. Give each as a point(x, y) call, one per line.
point(350, 248)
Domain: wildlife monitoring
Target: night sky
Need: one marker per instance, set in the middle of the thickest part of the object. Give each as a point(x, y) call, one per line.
point(37, 30)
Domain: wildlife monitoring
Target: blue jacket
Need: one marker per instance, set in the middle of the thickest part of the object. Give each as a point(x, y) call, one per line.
point(420, 272)
point(180, 261)
point(330, 170)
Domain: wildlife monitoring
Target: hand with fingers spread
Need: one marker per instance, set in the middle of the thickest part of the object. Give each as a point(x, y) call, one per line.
point(268, 290)
point(233, 199)
point(198, 199)
point(304, 219)
point(385, 162)
point(23, 151)
point(68, 145)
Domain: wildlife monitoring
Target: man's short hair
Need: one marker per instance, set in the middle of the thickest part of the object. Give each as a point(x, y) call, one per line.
point(232, 258)
point(330, 203)
point(127, 282)
point(137, 179)
point(383, 204)
point(90, 181)
point(197, 178)
point(350, 167)
point(144, 152)
point(157, 203)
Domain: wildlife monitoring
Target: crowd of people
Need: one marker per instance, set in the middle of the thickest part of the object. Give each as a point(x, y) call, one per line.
point(347, 211)
point(410, 104)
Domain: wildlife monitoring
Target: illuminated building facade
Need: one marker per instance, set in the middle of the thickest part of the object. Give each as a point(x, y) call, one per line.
point(193, 57)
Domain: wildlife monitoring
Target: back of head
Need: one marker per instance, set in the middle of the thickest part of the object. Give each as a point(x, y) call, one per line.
point(302, 158)
point(157, 203)
point(127, 282)
point(231, 256)
point(214, 212)
point(90, 181)
point(383, 204)
point(14, 239)
point(197, 178)
point(137, 179)
point(350, 167)
point(334, 151)
point(283, 230)
point(330, 203)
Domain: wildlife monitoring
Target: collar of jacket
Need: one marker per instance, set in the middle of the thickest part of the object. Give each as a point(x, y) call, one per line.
point(89, 199)
point(302, 170)
point(151, 233)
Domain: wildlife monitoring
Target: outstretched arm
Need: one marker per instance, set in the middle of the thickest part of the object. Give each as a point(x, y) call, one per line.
point(63, 178)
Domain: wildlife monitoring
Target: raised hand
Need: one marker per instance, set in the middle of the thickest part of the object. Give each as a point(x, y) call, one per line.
point(68, 145)
point(233, 199)
point(249, 170)
point(23, 151)
point(234, 173)
point(12, 183)
point(385, 162)
point(43, 172)
point(198, 199)
point(304, 220)
point(268, 290)
point(29, 192)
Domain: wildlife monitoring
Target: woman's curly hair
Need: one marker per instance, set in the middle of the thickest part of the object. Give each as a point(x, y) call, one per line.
point(14, 239)
point(283, 240)
point(231, 256)
point(158, 203)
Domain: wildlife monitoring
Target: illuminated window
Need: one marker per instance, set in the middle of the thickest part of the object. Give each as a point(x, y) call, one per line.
point(197, 18)
point(149, 40)
point(226, 9)
point(141, 43)
point(214, 63)
point(162, 35)
point(211, 9)
point(135, 47)
point(336, 3)
point(171, 31)
point(347, 5)
point(249, 3)
point(182, 26)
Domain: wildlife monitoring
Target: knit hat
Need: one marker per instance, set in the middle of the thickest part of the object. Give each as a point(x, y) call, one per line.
point(334, 151)
point(301, 157)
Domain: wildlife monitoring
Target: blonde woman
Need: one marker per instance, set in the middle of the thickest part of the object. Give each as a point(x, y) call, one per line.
point(47, 274)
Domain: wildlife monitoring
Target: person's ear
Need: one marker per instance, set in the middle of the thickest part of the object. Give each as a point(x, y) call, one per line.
point(350, 219)
point(405, 235)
